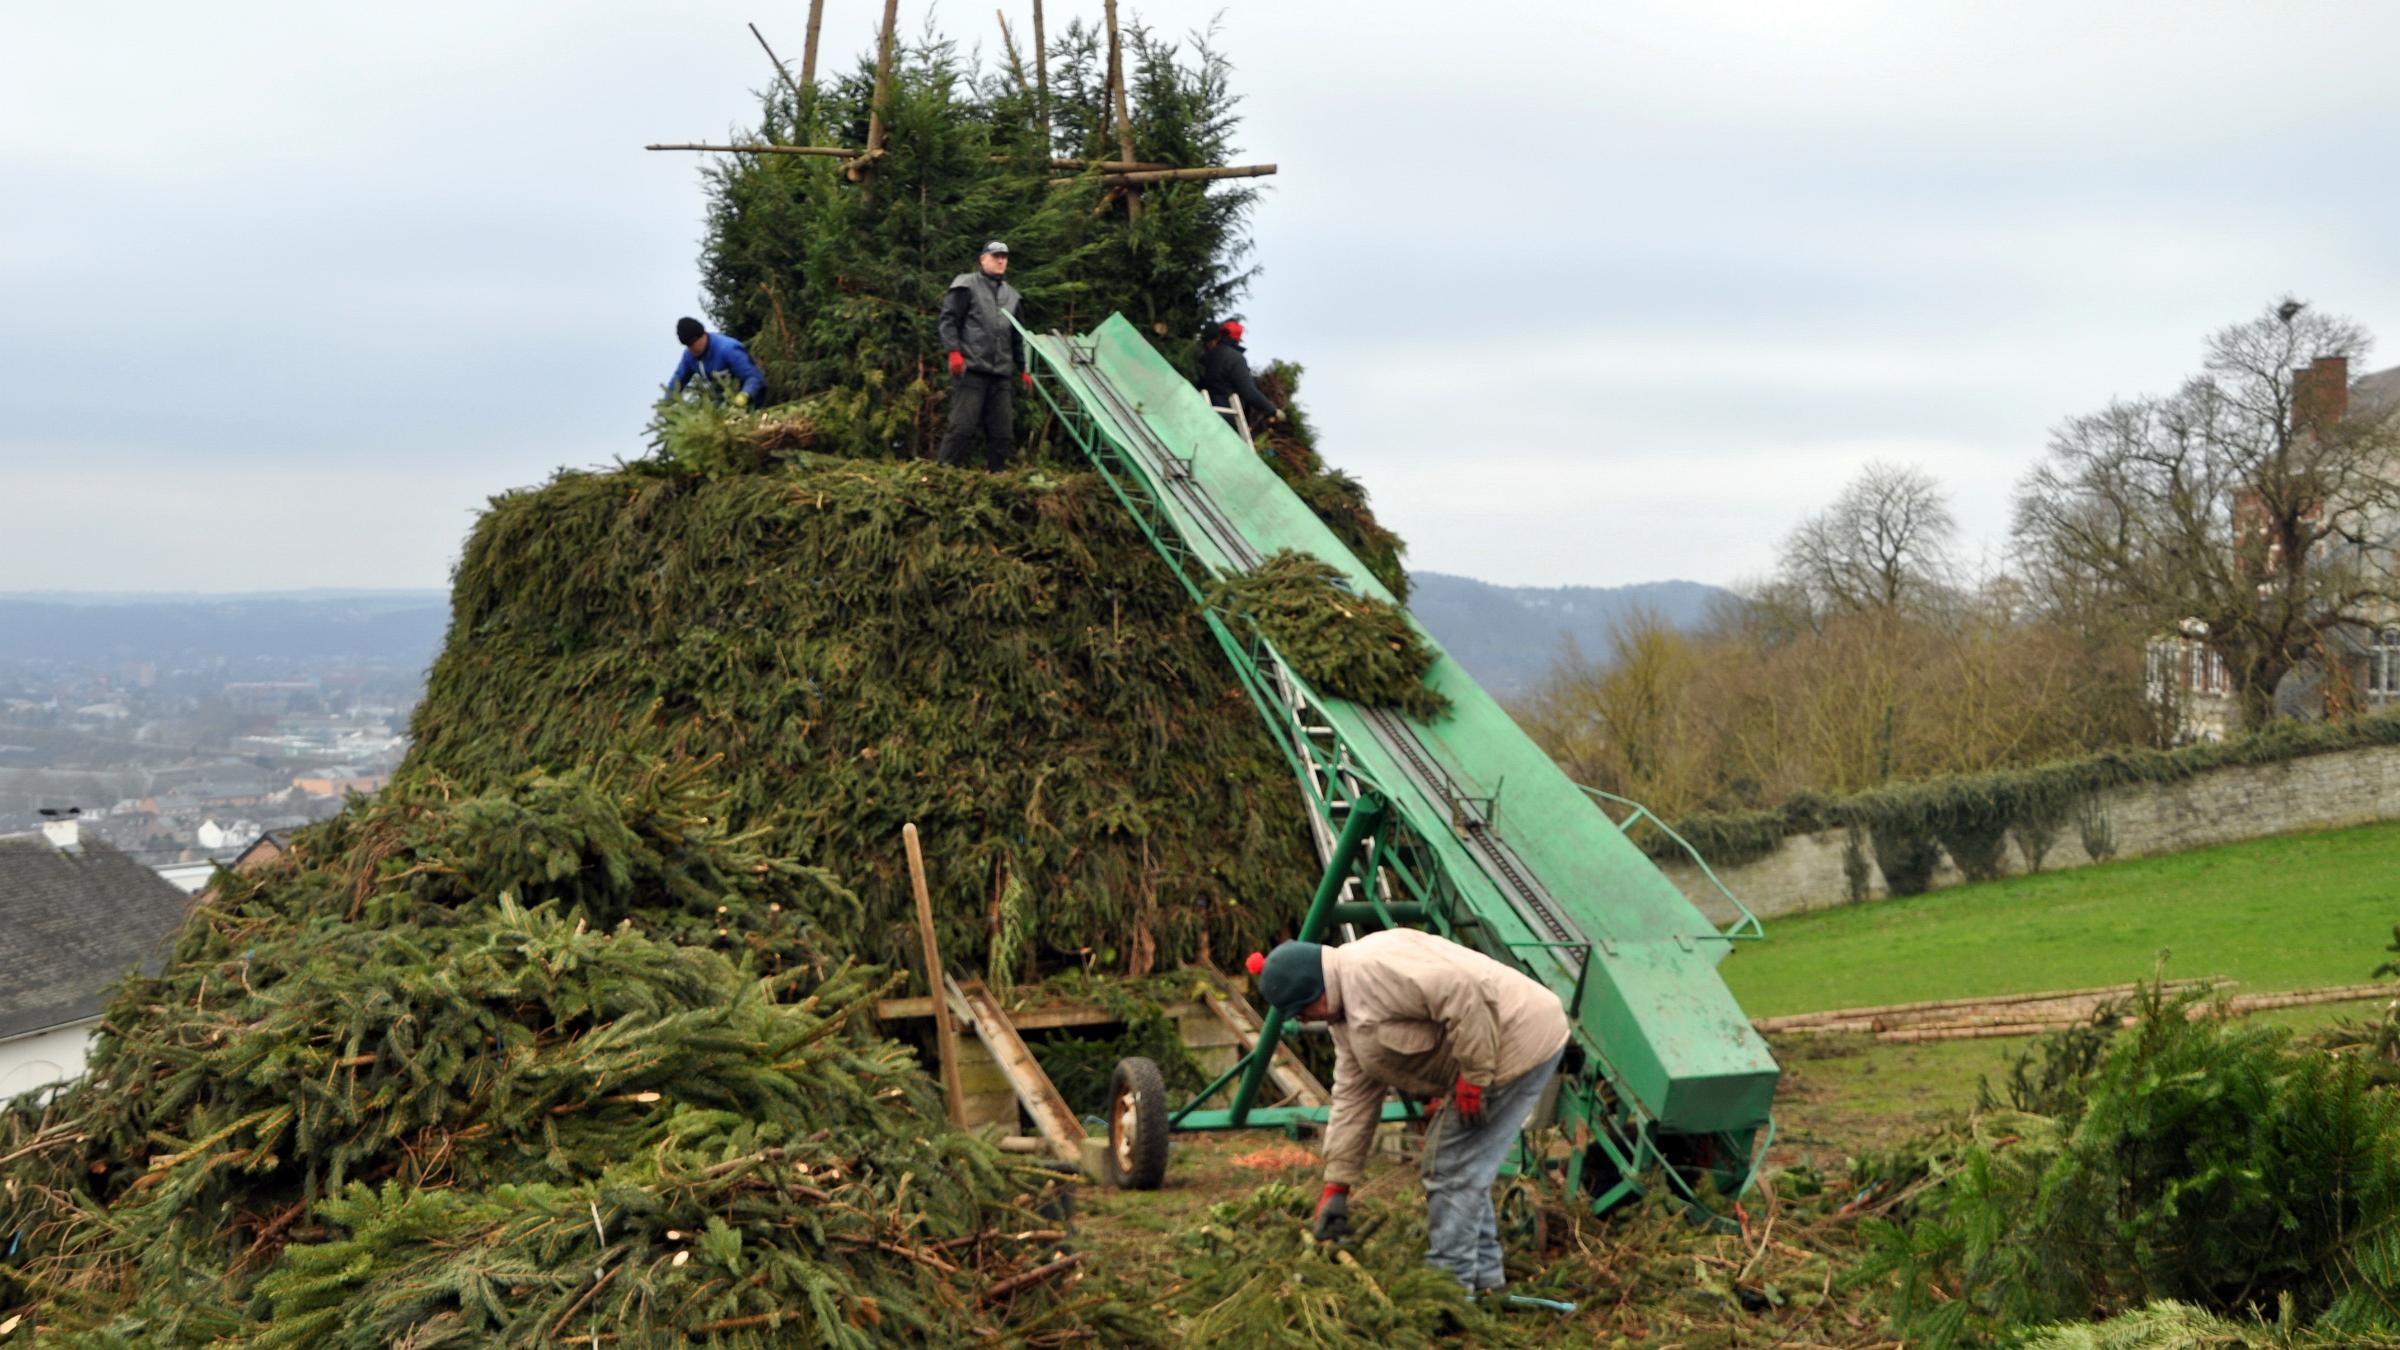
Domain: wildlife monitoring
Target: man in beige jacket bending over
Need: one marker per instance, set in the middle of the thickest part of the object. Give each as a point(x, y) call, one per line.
point(1422, 1015)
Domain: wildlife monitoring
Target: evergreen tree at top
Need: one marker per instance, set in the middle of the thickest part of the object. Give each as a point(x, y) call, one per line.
point(837, 286)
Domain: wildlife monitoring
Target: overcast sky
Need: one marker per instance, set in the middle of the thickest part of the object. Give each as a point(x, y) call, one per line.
point(1587, 292)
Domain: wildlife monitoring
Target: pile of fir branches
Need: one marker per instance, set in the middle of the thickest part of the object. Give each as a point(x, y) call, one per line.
point(1000, 658)
point(1343, 643)
point(560, 1061)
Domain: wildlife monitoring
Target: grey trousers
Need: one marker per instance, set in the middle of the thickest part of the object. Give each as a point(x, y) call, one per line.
point(981, 407)
point(1459, 1167)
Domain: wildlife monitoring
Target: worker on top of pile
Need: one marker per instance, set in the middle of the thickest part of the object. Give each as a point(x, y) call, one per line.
point(1416, 1013)
point(705, 354)
point(987, 355)
point(1225, 376)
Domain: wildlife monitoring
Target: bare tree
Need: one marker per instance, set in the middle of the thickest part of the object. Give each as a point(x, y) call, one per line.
point(1884, 543)
point(2245, 501)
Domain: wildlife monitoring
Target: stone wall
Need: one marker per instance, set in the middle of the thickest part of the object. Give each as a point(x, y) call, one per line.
point(2346, 787)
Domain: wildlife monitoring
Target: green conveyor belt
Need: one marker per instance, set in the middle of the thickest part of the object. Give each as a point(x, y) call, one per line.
point(1525, 851)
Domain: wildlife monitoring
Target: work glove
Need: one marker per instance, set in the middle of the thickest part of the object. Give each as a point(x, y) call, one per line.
point(1332, 1223)
point(958, 363)
point(741, 400)
point(1468, 1098)
point(1278, 416)
point(1027, 377)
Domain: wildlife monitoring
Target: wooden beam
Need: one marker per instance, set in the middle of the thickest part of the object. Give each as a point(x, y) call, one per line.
point(1039, 1017)
point(831, 151)
point(857, 168)
point(1140, 176)
point(1116, 75)
point(1058, 1126)
point(1290, 1074)
point(1008, 42)
point(808, 54)
point(1041, 76)
point(944, 1036)
point(788, 82)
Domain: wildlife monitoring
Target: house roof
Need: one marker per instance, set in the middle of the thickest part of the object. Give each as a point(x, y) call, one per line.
point(70, 924)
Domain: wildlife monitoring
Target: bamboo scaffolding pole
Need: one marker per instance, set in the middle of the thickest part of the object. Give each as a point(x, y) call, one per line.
point(945, 1035)
point(1138, 177)
point(857, 168)
point(830, 151)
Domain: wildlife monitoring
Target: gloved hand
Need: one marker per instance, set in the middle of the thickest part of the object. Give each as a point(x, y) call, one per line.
point(1468, 1098)
point(1278, 416)
point(741, 400)
point(958, 363)
point(1332, 1223)
point(1027, 377)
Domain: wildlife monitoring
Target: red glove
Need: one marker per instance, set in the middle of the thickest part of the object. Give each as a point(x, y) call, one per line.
point(1468, 1098)
point(1332, 1221)
point(1027, 377)
point(958, 363)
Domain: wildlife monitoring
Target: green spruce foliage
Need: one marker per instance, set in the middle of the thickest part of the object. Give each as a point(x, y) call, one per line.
point(2209, 1163)
point(1343, 643)
point(499, 1068)
point(999, 658)
point(837, 286)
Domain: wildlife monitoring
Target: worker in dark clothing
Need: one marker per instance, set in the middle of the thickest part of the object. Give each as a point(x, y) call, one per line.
point(987, 356)
point(1225, 377)
point(705, 354)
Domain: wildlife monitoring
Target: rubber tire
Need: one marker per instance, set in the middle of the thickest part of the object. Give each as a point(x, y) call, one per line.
point(1137, 1095)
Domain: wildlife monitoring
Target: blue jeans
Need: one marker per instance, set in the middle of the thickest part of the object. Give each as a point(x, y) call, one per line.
point(1459, 1167)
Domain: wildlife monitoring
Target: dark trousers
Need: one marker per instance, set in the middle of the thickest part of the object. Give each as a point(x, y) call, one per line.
point(980, 405)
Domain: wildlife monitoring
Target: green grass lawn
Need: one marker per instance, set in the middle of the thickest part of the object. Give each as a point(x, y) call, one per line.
point(2294, 911)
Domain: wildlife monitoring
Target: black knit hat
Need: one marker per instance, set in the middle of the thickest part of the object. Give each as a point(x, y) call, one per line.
point(688, 331)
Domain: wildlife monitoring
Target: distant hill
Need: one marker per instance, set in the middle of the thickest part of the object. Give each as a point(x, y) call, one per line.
point(392, 628)
point(1508, 637)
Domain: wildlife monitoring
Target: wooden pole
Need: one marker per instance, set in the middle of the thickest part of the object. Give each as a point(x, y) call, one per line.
point(1008, 43)
point(944, 1034)
point(883, 84)
point(832, 150)
point(788, 82)
point(808, 54)
point(1136, 179)
point(1116, 75)
point(1041, 75)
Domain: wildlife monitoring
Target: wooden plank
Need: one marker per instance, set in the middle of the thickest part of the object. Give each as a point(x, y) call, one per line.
point(1039, 1017)
point(1051, 1116)
point(1287, 1070)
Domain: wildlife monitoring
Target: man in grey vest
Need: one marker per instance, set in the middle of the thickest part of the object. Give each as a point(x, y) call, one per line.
point(987, 355)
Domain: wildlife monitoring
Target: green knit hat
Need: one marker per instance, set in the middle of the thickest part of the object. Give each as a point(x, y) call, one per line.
point(1294, 977)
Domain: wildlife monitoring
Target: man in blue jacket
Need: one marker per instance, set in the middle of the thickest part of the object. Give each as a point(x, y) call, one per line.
point(706, 353)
